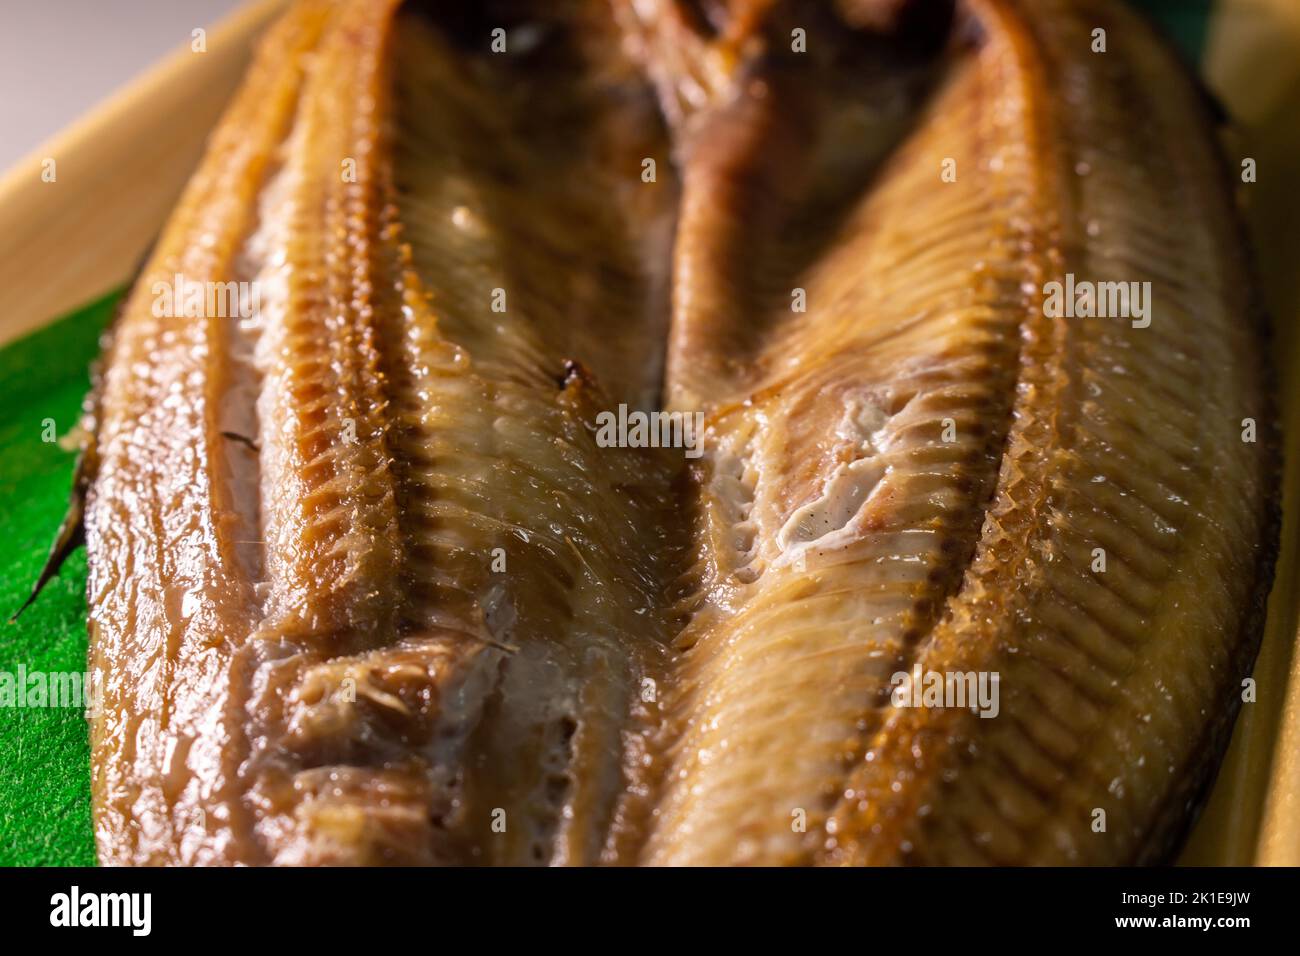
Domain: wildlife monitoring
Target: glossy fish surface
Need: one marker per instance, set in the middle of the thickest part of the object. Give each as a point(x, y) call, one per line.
point(683, 434)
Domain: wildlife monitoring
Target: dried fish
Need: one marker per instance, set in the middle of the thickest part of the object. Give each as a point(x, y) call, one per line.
point(947, 575)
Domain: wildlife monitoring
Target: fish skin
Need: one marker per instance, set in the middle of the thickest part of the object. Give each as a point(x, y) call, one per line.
point(1122, 668)
point(307, 653)
point(860, 516)
point(153, 521)
point(1069, 434)
point(347, 678)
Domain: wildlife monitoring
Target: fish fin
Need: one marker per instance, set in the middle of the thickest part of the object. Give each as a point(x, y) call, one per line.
point(72, 532)
point(70, 536)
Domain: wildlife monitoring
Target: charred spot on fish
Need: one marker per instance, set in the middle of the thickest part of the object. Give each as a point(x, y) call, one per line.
point(573, 374)
point(244, 440)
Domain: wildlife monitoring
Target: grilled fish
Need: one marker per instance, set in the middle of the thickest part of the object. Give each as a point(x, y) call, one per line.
point(370, 582)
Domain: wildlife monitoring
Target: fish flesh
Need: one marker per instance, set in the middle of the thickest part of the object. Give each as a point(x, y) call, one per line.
point(380, 573)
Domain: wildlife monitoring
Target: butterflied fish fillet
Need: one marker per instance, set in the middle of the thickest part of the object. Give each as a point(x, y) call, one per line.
point(370, 584)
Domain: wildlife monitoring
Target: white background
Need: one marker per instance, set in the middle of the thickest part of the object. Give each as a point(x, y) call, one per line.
point(58, 58)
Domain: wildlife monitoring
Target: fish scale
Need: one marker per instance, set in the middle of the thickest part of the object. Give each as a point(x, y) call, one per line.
point(296, 519)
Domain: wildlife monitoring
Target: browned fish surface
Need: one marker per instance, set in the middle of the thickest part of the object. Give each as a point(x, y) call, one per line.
point(370, 583)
